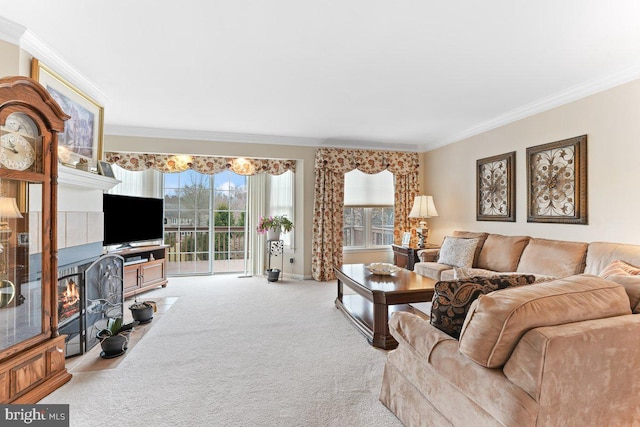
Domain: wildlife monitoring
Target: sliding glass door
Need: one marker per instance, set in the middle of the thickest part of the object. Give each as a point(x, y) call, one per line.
point(197, 207)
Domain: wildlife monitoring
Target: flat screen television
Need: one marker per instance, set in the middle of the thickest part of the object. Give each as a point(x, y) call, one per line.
point(129, 219)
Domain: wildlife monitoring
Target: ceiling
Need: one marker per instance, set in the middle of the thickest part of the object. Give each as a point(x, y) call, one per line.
point(404, 74)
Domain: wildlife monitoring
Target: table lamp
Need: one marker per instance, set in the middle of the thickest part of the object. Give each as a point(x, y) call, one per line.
point(423, 207)
point(8, 210)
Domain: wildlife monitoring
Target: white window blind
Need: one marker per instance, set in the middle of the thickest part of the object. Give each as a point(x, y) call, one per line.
point(361, 189)
point(146, 183)
point(281, 200)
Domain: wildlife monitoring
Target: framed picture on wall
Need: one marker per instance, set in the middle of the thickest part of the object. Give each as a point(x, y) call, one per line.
point(557, 182)
point(495, 183)
point(82, 136)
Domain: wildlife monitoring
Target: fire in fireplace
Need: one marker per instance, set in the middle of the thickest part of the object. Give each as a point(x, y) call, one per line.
point(68, 297)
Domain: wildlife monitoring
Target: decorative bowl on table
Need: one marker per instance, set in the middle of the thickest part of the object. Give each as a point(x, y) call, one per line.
point(383, 268)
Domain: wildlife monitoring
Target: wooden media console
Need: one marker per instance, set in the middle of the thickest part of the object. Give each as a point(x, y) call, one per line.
point(145, 267)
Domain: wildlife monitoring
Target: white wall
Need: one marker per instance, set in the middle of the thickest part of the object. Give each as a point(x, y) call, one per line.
point(612, 123)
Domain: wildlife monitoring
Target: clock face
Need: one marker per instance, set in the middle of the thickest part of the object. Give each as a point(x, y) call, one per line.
point(15, 152)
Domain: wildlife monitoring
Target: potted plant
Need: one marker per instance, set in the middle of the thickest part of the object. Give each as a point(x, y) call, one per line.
point(143, 311)
point(274, 225)
point(113, 338)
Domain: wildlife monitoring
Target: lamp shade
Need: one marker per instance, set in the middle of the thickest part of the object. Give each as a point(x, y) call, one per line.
point(423, 207)
point(9, 208)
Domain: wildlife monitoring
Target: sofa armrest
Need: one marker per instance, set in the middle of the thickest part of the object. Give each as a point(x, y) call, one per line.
point(429, 255)
point(576, 371)
point(417, 332)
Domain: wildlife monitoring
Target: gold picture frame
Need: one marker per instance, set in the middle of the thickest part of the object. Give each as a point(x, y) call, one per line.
point(496, 188)
point(557, 182)
point(81, 141)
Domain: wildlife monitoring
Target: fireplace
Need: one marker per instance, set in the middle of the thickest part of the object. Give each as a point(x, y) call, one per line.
point(89, 294)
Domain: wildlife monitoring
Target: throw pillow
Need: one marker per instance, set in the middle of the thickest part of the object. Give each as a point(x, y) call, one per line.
point(465, 273)
point(619, 268)
point(452, 299)
point(631, 285)
point(628, 276)
point(457, 251)
point(460, 273)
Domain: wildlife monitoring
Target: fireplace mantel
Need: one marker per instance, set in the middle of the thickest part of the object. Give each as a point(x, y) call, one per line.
point(82, 179)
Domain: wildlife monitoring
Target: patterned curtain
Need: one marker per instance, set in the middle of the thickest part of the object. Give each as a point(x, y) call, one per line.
point(202, 164)
point(406, 191)
point(330, 165)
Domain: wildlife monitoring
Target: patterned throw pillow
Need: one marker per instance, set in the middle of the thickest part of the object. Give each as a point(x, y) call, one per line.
point(628, 276)
point(452, 299)
point(458, 251)
point(619, 268)
point(460, 273)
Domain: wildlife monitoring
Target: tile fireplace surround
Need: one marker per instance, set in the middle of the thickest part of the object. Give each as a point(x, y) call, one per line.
point(80, 219)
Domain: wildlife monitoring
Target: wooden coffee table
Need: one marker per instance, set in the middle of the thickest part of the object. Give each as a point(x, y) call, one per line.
point(377, 297)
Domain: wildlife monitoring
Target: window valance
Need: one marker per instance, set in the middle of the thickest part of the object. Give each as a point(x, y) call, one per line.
point(367, 161)
point(202, 164)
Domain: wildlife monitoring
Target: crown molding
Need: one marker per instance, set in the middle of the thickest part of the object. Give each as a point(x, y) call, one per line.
point(200, 135)
point(247, 138)
point(571, 94)
point(20, 36)
point(11, 32)
point(38, 49)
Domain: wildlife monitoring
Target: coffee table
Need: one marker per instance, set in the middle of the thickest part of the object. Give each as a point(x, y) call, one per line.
point(377, 297)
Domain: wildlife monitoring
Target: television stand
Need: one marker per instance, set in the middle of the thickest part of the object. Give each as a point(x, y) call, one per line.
point(145, 267)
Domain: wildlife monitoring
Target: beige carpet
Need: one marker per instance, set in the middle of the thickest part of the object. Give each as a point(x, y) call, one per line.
point(236, 352)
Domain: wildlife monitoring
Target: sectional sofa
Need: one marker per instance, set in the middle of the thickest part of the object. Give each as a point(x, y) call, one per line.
point(562, 352)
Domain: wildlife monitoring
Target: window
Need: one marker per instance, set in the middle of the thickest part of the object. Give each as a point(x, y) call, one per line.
point(368, 211)
point(281, 200)
point(368, 227)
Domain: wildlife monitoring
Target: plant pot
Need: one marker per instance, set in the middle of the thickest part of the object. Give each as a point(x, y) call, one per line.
point(273, 233)
point(113, 346)
point(142, 314)
point(273, 274)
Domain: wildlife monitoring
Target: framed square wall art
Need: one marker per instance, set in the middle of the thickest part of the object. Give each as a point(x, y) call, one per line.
point(82, 136)
point(557, 182)
point(495, 182)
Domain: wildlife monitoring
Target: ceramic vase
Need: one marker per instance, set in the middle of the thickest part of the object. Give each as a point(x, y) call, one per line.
point(273, 233)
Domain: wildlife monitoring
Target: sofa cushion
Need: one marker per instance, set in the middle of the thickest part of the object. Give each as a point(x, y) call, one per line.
point(432, 270)
point(553, 258)
point(601, 254)
point(452, 299)
point(619, 268)
point(457, 251)
point(497, 321)
point(481, 236)
point(502, 253)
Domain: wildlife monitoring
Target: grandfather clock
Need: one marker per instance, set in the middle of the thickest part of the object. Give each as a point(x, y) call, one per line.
point(32, 359)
